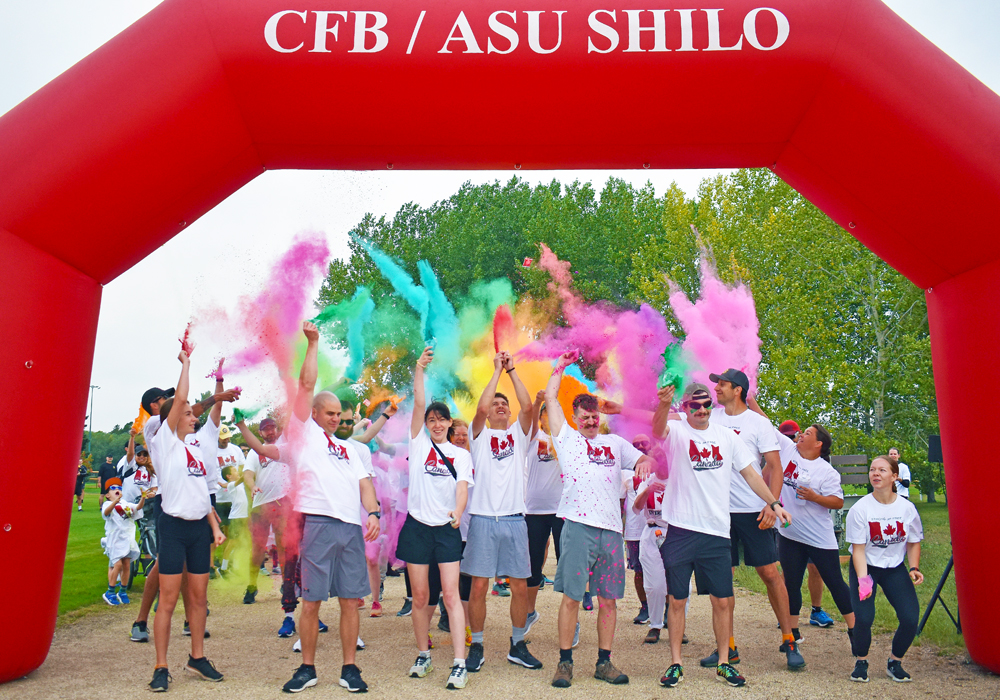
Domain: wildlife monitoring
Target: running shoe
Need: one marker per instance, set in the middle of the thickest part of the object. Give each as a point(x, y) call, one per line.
point(303, 678)
point(297, 647)
point(421, 667)
point(406, 609)
point(381, 591)
point(860, 672)
point(287, 628)
point(520, 655)
point(795, 633)
point(361, 603)
point(729, 674)
point(547, 580)
point(588, 601)
point(501, 590)
point(139, 632)
point(576, 636)
point(376, 609)
point(250, 596)
point(713, 658)
point(672, 676)
point(653, 636)
point(444, 623)
point(533, 617)
point(276, 570)
point(819, 618)
point(161, 679)
point(323, 628)
point(607, 671)
point(263, 570)
point(187, 630)
point(123, 597)
point(541, 584)
point(793, 657)
point(457, 678)
point(474, 659)
point(203, 668)
point(110, 598)
point(564, 675)
point(643, 616)
point(894, 669)
point(350, 678)
point(360, 644)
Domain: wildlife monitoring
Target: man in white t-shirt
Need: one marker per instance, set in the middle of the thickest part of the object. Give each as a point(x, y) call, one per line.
point(331, 481)
point(593, 549)
point(903, 482)
point(702, 459)
point(497, 542)
point(751, 519)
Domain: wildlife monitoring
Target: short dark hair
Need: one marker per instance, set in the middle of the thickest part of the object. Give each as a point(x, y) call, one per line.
point(226, 471)
point(823, 435)
point(346, 405)
point(586, 402)
point(500, 395)
point(439, 408)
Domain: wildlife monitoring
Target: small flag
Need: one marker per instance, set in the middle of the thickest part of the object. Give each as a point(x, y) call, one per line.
point(527, 262)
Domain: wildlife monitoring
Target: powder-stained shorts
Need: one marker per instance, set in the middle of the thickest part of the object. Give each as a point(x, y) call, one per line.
point(632, 551)
point(497, 546)
point(590, 555)
point(332, 555)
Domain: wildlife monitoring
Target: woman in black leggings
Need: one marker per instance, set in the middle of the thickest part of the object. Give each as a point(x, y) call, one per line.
point(883, 529)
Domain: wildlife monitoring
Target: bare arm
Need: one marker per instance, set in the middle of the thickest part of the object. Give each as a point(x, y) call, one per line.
point(536, 412)
point(269, 451)
point(370, 502)
point(215, 415)
point(755, 407)
point(308, 373)
point(913, 556)
point(419, 397)
point(486, 398)
point(775, 476)
point(859, 560)
point(828, 502)
point(662, 413)
point(180, 393)
point(377, 424)
point(556, 417)
point(130, 450)
point(758, 486)
point(523, 397)
point(461, 498)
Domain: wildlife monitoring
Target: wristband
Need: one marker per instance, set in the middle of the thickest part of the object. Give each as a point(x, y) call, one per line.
point(511, 370)
point(776, 503)
point(386, 416)
point(376, 513)
point(913, 568)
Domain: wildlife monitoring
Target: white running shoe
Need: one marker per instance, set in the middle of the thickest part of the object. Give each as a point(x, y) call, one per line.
point(361, 644)
point(421, 667)
point(457, 678)
point(297, 647)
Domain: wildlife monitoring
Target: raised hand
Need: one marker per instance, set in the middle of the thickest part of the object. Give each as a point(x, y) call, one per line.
point(427, 357)
point(666, 395)
point(565, 360)
point(310, 331)
point(608, 407)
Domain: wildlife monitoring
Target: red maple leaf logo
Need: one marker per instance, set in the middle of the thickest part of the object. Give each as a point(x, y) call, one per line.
point(890, 530)
point(705, 453)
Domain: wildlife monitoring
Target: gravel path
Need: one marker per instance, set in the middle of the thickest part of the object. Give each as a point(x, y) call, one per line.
point(92, 657)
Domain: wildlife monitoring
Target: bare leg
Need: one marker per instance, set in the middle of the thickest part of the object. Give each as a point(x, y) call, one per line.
point(453, 604)
point(720, 623)
point(374, 579)
point(126, 571)
point(519, 607)
point(195, 605)
point(309, 630)
point(477, 603)
point(149, 592)
point(569, 612)
point(777, 594)
point(675, 627)
point(532, 593)
point(607, 617)
point(349, 626)
point(113, 573)
point(421, 615)
point(639, 588)
point(170, 586)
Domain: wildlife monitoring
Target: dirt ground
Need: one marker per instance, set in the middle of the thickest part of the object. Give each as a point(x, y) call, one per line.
point(92, 657)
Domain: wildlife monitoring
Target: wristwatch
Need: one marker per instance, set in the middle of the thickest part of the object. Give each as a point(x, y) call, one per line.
point(776, 503)
point(376, 513)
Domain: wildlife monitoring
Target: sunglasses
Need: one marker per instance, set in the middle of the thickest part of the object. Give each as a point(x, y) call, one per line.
point(347, 422)
point(695, 405)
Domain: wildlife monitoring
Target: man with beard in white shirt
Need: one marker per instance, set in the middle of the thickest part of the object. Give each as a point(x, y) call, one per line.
point(751, 520)
point(498, 535)
point(702, 459)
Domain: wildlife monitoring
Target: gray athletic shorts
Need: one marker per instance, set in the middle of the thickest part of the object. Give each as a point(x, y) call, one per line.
point(332, 554)
point(590, 555)
point(497, 546)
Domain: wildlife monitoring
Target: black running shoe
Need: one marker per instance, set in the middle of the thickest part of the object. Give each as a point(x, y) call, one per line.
point(713, 658)
point(729, 674)
point(672, 676)
point(250, 596)
point(203, 668)
point(303, 678)
point(187, 630)
point(406, 609)
point(520, 655)
point(894, 669)
point(474, 661)
point(860, 672)
point(350, 678)
point(161, 678)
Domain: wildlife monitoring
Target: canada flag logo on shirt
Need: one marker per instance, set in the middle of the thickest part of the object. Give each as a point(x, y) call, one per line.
point(707, 457)
point(194, 467)
point(337, 450)
point(544, 454)
point(600, 454)
point(502, 449)
point(890, 534)
point(791, 475)
point(433, 466)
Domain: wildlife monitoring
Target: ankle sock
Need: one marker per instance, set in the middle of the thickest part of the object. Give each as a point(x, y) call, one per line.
point(566, 655)
point(732, 643)
point(788, 638)
point(603, 655)
point(459, 662)
point(517, 634)
point(477, 637)
point(291, 616)
point(424, 655)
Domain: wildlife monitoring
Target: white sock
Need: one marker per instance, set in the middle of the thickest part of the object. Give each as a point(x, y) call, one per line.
point(290, 615)
point(459, 662)
point(424, 655)
point(225, 564)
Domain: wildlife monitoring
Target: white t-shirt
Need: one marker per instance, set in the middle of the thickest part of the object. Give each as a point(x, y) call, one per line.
point(812, 524)
point(702, 466)
point(119, 528)
point(270, 476)
point(149, 430)
point(229, 456)
point(126, 467)
point(634, 522)
point(499, 458)
point(365, 455)
point(329, 472)
point(884, 530)
point(237, 495)
point(592, 477)
point(183, 477)
point(432, 488)
point(757, 435)
point(904, 473)
point(133, 486)
point(543, 480)
point(653, 510)
point(207, 440)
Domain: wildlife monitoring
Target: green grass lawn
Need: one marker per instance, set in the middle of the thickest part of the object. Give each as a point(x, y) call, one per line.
point(934, 555)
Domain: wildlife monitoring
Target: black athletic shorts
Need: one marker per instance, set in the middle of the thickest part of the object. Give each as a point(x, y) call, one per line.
point(184, 542)
point(80, 480)
point(759, 547)
point(684, 551)
point(427, 544)
point(223, 509)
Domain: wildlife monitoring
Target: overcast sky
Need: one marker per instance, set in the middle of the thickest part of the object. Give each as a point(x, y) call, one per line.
point(39, 39)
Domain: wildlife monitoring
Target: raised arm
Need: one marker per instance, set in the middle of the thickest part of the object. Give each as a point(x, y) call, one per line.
point(308, 373)
point(130, 450)
point(755, 407)
point(269, 451)
point(180, 393)
point(378, 424)
point(523, 397)
point(536, 413)
point(662, 413)
point(556, 417)
point(774, 473)
point(419, 397)
point(486, 398)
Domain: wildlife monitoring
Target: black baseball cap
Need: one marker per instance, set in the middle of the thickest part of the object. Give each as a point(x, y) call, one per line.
point(734, 377)
point(141, 449)
point(152, 395)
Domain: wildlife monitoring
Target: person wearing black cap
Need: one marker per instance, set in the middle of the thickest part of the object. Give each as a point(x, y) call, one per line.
point(151, 401)
point(751, 520)
point(107, 471)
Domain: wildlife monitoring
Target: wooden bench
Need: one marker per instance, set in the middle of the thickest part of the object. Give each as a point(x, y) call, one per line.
point(853, 470)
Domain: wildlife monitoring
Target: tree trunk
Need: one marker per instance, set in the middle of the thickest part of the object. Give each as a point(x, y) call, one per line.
point(931, 498)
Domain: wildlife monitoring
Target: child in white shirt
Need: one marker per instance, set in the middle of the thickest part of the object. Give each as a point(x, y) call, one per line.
point(119, 540)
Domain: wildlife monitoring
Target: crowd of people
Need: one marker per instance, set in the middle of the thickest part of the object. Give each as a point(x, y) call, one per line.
point(711, 483)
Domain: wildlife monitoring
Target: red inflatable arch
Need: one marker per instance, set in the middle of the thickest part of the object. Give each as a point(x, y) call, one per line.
point(843, 99)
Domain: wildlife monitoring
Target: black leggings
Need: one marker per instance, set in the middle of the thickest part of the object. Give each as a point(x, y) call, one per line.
point(794, 557)
point(539, 529)
point(902, 596)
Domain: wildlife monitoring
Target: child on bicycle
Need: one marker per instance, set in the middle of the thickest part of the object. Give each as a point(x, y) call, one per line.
point(119, 540)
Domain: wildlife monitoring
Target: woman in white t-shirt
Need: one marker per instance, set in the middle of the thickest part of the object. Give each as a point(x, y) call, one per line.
point(883, 528)
point(440, 475)
point(187, 528)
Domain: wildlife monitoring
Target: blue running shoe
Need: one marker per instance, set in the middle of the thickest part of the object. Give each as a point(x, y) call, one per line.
point(110, 598)
point(287, 628)
point(588, 601)
point(819, 618)
point(322, 628)
point(123, 597)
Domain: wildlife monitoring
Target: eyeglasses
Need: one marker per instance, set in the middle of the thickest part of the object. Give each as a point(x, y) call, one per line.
point(695, 405)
